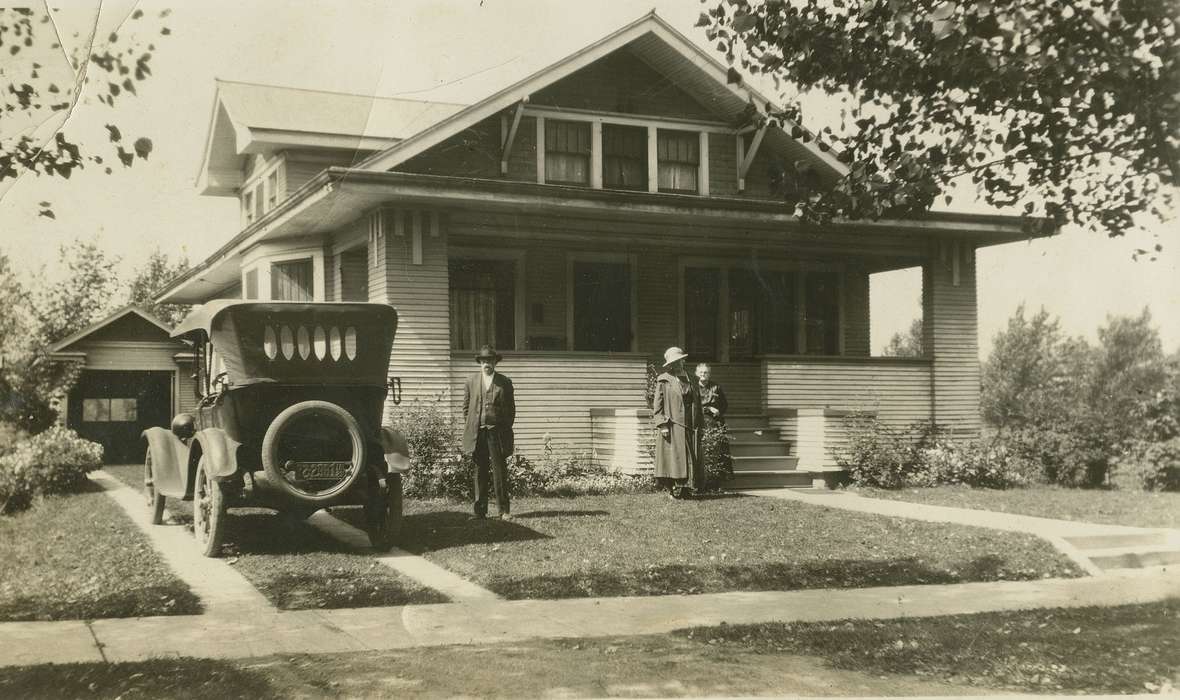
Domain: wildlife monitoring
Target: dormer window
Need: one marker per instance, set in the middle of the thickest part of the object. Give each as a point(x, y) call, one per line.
point(624, 157)
point(272, 190)
point(679, 154)
point(567, 152)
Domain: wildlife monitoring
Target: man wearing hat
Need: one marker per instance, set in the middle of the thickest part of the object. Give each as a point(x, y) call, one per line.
point(489, 408)
point(676, 413)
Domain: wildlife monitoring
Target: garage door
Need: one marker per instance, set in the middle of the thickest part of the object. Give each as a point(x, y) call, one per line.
point(112, 408)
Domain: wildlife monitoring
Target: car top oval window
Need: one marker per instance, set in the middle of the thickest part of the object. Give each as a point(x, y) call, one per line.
point(303, 338)
point(350, 343)
point(334, 342)
point(287, 342)
point(319, 343)
point(270, 344)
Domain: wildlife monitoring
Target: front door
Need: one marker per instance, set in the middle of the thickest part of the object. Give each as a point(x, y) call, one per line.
point(113, 408)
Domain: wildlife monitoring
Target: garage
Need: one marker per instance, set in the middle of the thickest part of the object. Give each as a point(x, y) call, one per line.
point(133, 375)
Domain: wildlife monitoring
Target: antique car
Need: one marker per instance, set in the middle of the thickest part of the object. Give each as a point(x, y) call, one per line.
point(288, 417)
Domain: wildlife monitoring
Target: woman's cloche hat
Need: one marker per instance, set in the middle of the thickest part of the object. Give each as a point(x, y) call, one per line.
point(487, 352)
point(673, 354)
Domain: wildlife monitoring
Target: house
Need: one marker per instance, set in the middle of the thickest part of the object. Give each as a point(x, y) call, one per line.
point(132, 376)
point(582, 220)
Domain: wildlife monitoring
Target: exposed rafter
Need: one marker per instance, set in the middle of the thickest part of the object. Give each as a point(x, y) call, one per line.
point(510, 137)
point(748, 160)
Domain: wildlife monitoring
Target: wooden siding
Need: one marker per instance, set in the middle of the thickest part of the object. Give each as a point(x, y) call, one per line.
point(331, 276)
point(555, 393)
point(722, 165)
point(897, 390)
point(129, 355)
point(352, 275)
point(620, 82)
point(856, 312)
point(522, 162)
point(950, 314)
point(742, 382)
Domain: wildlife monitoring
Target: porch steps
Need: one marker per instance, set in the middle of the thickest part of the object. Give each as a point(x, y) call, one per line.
point(1129, 551)
point(761, 458)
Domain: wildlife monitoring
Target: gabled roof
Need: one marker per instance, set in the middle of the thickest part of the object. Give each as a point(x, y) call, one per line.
point(250, 118)
point(651, 39)
point(64, 343)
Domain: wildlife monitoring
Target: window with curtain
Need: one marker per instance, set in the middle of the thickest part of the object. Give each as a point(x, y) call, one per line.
point(291, 281)
point(624, 157)
point(567, 152)
point(821, 317)
point(679, 155)
point(482, 303)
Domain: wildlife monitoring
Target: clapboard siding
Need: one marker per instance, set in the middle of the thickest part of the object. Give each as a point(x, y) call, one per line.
point(352, 277)
point(951, 316)
point(897, 391)
point(331, 276)
point(128, 355)
point(742, 382)
point(856, 312)
point(659, 311)
point(722, 165)
point(299, 172)
point(555, 393)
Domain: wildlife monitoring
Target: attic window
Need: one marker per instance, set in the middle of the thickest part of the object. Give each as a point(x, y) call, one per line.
point(567, 152)
point(679, 155)
point(624, 157)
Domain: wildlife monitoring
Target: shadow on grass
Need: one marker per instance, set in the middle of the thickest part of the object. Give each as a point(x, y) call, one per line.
point(270, 533)
point(149, 601)
point(443, 529)
point(681, 579)
point(171, 678)
point(561, 513)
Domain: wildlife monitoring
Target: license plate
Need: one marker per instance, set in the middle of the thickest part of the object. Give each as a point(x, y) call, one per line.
point(317, 471)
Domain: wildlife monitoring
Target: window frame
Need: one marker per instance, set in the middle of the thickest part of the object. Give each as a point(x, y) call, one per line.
point(517, 256)
point(311, 276)
point(589, 153)
point(642, 132)
point(629, 259)
point(691, 137)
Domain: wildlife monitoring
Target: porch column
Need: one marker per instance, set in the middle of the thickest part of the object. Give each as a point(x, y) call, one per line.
point(951, 335)
point(409, 270)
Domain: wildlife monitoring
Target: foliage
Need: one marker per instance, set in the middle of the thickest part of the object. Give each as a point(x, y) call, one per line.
point(150, 278)
point(10, 435)
point(86, 291)
point(906, 345)
point(1031, 374)
point(1150, 466)
point(560, 471)
point(34, 94)
point(881, 455)
point(438, 467)
point(715, 456)
point(1068, 110)
point(51, 462)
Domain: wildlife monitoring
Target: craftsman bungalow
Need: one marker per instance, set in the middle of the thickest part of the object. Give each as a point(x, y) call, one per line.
point(582, 220)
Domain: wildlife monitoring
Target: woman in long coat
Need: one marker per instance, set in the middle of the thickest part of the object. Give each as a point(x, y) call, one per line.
point(676, 412)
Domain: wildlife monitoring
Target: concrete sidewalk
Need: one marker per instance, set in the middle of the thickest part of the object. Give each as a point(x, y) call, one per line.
point(263, 632)
point(1080, 541)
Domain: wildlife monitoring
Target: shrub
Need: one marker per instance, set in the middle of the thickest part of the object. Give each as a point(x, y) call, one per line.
point(10, 435)
point(1151, 466)
point(565, 472)
point(878, 454)
point(438, 467)
point(54, 461)
point(986, 463)
point(715, 456)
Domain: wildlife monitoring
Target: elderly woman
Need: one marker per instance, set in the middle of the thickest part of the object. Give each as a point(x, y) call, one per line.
point(676, 412)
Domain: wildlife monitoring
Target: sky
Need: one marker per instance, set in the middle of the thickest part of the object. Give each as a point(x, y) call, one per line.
point(448, 50)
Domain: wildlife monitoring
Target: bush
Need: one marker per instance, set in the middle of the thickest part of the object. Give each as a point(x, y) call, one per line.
point(715, 456)
point(438, 467)
point(881, 455)
point(565, 472)
point(10, 435)
point(1151, 466)
point(51, 462)
point(984, 463)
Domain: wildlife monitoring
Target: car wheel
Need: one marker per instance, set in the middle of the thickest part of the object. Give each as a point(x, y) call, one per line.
point(209, 512)
point(383, 512)
point(155, 499)
point(282, 444)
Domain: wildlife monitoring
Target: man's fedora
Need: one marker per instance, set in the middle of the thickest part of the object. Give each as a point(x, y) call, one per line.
point(487, 352)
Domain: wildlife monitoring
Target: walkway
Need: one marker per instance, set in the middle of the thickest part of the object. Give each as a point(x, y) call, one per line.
point(266, 632)
point(1097, 548)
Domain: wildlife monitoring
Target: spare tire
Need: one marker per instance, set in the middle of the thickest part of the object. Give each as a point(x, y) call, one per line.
point(313, 451)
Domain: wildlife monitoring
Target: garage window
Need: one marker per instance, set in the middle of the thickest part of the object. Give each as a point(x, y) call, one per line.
point(110, 410)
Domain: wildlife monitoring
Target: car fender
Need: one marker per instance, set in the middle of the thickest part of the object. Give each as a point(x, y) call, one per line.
point(220, 452)
point(396, 449)
point(169, 459)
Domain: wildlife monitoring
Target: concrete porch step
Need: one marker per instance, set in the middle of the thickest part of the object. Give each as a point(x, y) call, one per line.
point(759, 448)
point(1138, 559)
point(746, 421)
point(1091, 542)
point(769, 479)
point(765, 463)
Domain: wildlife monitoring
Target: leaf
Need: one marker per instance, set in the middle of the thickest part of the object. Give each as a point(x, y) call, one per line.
point(47, 213)
point(733, 77)
point(116, 136)
point(143, 147)
point(125, 157)
point(744, 22)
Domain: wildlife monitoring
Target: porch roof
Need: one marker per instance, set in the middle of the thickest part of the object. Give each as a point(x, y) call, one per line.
point(338, 196)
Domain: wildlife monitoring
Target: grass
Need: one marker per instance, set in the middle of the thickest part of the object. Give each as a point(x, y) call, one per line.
point(297, 567)
point(1085, 650)
point(1126, 649)
point(1133, 508)
point(650, 545)
point(80, 557)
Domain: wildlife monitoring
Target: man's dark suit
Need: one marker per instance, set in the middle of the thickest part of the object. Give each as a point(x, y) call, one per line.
point(487, 436)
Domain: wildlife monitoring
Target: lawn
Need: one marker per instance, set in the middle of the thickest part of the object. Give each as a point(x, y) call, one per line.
point(1085, 650)
point(80, 557)
point(1126, 649)
point(647, 544)
point(1134, 508)
point(296, 566)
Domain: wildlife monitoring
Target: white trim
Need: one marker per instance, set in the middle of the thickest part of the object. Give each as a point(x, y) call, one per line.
point(703, 164)
point(632, 262)
point(596, 154)
point(71, 339)
point(264, 255)
point(649, 23)
point(540, 123)
point(748, 160)
point(653, 159)
point(619, 118)
point(518, 256)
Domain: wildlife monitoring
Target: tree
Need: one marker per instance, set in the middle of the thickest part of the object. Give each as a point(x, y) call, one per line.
point(1129, 369)
point(157, 271)
point(1068, 110)
point(908, 344)
point(30, 94)
point(85, 292)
